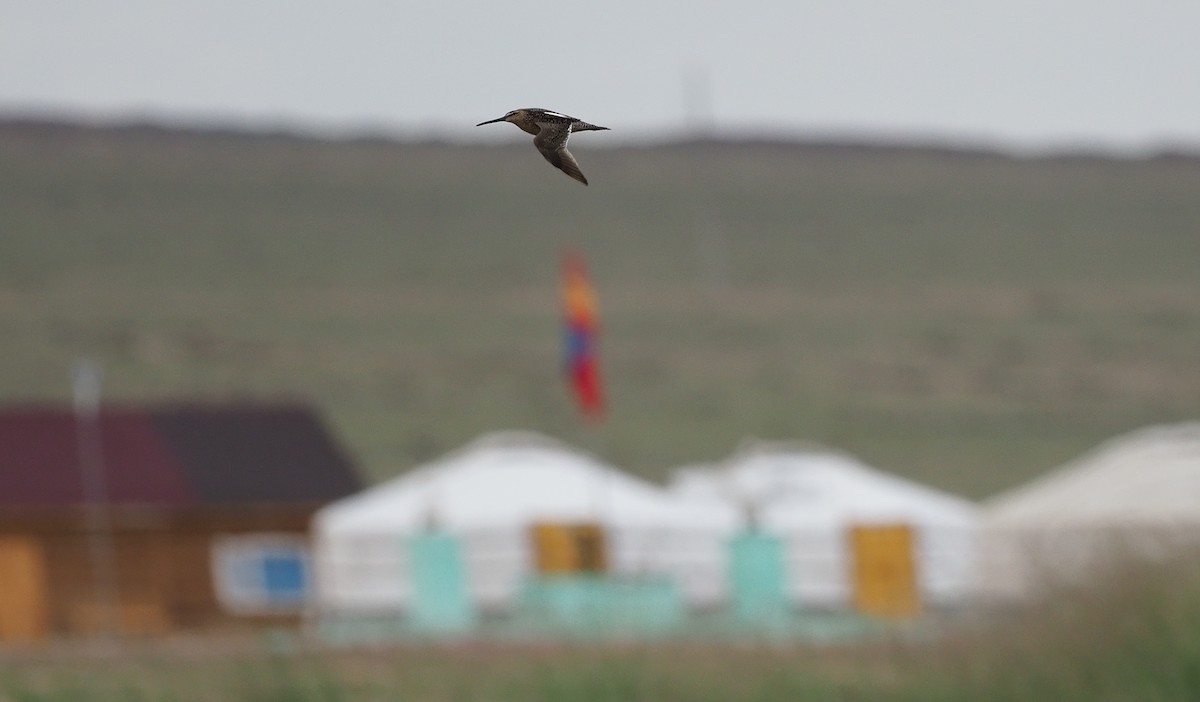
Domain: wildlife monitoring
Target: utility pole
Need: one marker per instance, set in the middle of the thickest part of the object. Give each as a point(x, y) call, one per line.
point(708, 234)
point(97, 518)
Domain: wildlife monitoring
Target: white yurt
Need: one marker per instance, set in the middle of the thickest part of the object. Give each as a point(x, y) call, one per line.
point(813, 498)
point(490, 495)
point(1133, 496)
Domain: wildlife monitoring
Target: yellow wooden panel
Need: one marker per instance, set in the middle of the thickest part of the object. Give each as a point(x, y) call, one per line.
point(590, 548)
point(885, 582)
point(554, 545)
point(23, 605)
point(570, 548)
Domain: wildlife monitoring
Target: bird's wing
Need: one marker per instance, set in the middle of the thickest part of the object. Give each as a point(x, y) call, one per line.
point(552, 136)
point(552, 143)
point(556, 116)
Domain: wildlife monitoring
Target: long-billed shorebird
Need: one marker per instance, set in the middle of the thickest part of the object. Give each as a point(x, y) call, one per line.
point(550, 132)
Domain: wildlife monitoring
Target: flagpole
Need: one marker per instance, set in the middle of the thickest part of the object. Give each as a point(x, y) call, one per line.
point(594, 442)
point(97, 519)
point(581, 365)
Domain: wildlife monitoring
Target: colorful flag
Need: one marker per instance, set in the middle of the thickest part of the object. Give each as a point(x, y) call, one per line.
point(582, 329)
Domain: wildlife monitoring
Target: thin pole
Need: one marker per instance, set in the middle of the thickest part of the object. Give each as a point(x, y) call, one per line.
point(97, 519)
point(709, 236)
point(594, 444)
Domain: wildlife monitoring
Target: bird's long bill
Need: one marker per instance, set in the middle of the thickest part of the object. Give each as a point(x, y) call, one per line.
point(498, 119)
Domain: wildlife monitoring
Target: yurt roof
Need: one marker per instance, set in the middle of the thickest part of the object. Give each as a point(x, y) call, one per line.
point(794, 484)
point(513, 478)
point(1148, 476)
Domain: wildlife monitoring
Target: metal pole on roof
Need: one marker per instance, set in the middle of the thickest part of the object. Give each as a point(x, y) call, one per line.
point(85, 378)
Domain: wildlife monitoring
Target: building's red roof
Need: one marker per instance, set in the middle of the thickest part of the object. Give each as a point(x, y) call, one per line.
point(174, 456)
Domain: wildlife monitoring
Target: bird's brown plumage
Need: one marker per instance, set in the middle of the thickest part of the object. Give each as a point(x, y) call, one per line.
point(551, 131)
point(552, 142)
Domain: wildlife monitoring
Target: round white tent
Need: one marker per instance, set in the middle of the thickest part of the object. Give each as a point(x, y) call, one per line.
point(1136, 495)
point(811, 497)
point(490, 495)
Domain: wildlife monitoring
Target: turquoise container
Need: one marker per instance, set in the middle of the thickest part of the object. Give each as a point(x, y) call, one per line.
point(757, 578)
point(440, 600)
point(596, 605)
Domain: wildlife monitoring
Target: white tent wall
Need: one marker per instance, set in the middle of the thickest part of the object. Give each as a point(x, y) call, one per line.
point(363, 572)
point(819, 561)
point(817, 564)
point(695, 559)
point(947, 556)
point(1133, 497)
point(811, 497)
point(370, 573)
point(1023, 564)
point(489, 495)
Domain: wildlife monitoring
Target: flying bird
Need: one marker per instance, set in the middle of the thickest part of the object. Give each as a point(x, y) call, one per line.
point(550, 132)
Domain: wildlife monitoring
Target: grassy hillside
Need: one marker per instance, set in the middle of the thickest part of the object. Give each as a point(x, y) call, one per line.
point(963, 318)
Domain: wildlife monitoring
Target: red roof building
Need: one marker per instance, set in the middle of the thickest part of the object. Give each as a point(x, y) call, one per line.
point(203, 518)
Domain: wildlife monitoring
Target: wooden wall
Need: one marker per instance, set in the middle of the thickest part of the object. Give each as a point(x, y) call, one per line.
point(162, 565)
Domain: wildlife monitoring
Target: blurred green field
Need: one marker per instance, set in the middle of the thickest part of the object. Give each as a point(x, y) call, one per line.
point(967, 319)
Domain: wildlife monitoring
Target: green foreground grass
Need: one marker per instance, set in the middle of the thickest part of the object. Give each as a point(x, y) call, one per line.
point(1136, 637)
point(966, 319)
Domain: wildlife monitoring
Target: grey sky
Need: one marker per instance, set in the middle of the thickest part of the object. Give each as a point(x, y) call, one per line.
point(1025, 73)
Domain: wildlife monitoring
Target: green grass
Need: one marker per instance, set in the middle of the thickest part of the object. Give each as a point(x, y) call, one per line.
point(966, 319)
point(1133, 635)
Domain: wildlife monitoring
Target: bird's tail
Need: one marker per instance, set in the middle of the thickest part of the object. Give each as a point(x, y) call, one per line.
point(585, 127)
